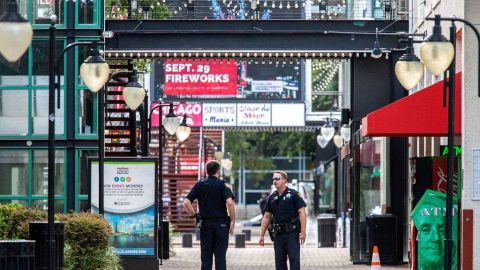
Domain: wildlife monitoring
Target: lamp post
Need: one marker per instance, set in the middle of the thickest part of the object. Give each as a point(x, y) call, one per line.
point(173, 126)
point(15, 32)
point(133, 95)
point(94, 72)
point(438, 54)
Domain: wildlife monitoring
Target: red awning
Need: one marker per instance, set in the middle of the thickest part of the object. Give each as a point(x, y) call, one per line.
point(419, 114)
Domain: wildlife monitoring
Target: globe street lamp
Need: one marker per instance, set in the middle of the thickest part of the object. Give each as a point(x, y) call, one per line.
point(93, 72)
point(409, 69)
point(173, 126)
point(133, 95)
point(15, 32)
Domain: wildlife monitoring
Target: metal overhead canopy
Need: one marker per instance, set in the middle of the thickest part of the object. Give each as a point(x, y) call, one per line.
point(249, 39)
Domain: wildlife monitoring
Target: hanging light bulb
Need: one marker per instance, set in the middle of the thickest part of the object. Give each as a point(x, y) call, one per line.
point(15, 33)
point(327, 131)
point(338, 140)
point(281, 5)
point(273, 4)
point(345, 132)
point(170, 122)
point(437, 52)
point(133, 93)
point(408, 69)
point(321, 141)
point(183, 130)
point(94, 71)
point(288, 5)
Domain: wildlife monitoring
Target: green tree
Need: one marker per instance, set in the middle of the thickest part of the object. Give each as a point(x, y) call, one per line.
point(258, 148)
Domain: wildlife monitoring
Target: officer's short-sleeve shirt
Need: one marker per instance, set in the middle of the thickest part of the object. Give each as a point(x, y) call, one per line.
point(211, 194)
point(284, 207)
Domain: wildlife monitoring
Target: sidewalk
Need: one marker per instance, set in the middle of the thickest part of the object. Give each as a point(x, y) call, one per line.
point(254, 257)
point(263, 258)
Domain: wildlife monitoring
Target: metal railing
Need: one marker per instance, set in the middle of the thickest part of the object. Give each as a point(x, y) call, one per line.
point(260, 10)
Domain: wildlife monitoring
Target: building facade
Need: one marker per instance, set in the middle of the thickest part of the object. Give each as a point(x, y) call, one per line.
point(24, 109)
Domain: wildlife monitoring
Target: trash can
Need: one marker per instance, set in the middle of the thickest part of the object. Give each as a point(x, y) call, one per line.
point(327, 226)
point(382, 232)
point(17, 254)
point(164, 251)
point(39, 232)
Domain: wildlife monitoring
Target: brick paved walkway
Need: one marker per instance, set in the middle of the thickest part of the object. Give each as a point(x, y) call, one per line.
point(253, 258)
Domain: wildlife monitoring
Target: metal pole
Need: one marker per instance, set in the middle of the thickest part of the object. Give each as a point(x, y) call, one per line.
point(101, 149)
point(160, 176)
point(51, 145)
point(450, 157)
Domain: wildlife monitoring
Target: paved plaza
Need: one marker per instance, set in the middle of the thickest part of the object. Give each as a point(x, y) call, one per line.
point(254, 257)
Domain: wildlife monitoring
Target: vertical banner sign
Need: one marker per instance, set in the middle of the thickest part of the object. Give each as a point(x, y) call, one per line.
point(200, 77)
point(254, 114)
point(129, 203)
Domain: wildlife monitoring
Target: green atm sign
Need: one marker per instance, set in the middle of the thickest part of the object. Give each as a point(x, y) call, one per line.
point(457, 150)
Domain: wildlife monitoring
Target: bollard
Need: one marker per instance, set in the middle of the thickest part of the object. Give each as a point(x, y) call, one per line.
point(240, 240)
point(248, 234)
point(187, 240)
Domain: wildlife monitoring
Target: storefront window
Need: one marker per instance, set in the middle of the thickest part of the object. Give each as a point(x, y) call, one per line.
point(86, 112)
point(86, 10)
point(44, 9)
point(13, 172)
point(40, 173)
point(371, 180)
point(13, 112)
point(326, 188)
point(40, 56)
point(40, 112)
point(325, 90)
point(43, 205)
point(14, 73)
point(82, 170)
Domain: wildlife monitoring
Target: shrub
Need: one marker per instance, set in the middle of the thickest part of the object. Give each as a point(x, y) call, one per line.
point(22, 217)
point(86, 231)
point(87, 243)
point(104, 259)
point(6, 211)
point(14, 219)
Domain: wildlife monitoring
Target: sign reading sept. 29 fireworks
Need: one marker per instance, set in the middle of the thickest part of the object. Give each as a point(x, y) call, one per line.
point(200, 77)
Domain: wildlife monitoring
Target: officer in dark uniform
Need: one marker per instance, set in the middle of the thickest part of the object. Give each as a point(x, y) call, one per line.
point(286, 211)
point(214, 198)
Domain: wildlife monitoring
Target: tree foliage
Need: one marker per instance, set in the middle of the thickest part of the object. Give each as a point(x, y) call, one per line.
point(258, 148)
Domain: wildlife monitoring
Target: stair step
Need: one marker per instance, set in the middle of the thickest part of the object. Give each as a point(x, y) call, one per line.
point(117, 128)
point(117, 144)
point(116, 101)
point(119, 153)
point(116, 83)
point(118, 109)
point(117, 118)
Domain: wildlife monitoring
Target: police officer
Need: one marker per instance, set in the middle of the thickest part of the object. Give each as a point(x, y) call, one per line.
point(214, 199)
point(286, 211)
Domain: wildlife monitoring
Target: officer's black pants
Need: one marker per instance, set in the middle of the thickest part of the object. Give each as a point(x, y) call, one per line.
point(287, 244)
point(214, 241)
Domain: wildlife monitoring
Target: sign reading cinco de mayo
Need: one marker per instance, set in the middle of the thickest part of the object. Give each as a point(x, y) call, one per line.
point(193, 110)
point(219, 115)
point(200, 77)
point(254, 114)
point(129, 204)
